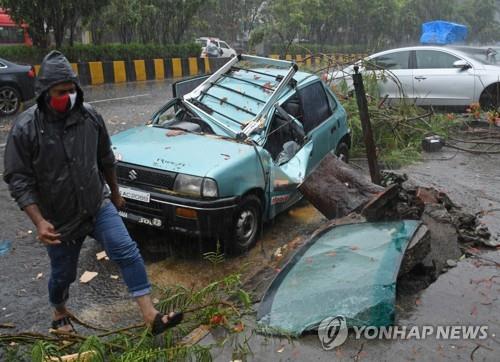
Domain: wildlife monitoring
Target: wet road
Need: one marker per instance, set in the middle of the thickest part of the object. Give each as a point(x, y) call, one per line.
point(456, 297)
point(25, 270)
point(467, 295)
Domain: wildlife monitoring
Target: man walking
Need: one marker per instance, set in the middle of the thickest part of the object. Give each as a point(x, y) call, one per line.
point(58, 160)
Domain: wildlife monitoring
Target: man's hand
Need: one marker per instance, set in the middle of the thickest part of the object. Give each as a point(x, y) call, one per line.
point(47, 233)
point(117, 200)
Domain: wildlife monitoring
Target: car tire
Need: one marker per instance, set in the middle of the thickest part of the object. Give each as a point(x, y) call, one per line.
point(10, 100)
point(490, 98)
point(342, 152)
point(246, 226)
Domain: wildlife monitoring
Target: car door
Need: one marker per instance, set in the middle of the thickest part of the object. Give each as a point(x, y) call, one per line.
point(182, 87)
point(394, 74)
point(438, 82)
point(318, 122)
point(226, 50)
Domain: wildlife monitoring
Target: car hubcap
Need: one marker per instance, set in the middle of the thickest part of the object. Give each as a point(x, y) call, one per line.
point(8, 101)
point(246, 225)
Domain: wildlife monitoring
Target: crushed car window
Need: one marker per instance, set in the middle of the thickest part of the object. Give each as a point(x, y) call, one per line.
point(347, 270)
point(179, 118)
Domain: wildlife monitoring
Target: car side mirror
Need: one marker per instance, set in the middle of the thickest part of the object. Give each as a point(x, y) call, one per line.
point(461, 64)
point(220, 51)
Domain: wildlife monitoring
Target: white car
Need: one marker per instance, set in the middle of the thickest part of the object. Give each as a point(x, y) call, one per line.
point(223, 49)
point(433, 75)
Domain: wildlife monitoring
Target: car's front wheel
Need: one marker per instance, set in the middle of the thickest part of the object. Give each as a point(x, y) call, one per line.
point(10, 101)
point(246, 226)
point(342, 152)
point(490, 98)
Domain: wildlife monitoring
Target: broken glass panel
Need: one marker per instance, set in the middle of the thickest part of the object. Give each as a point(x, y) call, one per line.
point(349, 270)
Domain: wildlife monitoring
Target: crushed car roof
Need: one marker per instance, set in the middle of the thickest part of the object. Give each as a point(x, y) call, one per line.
point(243, 90)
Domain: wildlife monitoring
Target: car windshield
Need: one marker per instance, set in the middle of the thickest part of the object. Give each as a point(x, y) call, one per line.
point(179, 117)
point(484, 55)
point(202, 42)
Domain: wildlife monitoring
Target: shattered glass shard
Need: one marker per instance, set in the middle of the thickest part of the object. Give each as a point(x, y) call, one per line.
point(359, 283)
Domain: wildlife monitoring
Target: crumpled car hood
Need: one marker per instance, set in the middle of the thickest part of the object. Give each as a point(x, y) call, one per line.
point(348, 270)
point(173, 150)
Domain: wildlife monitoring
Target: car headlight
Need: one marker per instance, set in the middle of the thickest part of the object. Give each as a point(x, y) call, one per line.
point(195, 186)
point(210, 188)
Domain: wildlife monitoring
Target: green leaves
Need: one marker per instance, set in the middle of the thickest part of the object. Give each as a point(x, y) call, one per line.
point(109, 52)
point(42, 351)
point(93, 344)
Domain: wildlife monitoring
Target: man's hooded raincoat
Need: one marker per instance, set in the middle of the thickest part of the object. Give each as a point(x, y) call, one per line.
point(56, 160)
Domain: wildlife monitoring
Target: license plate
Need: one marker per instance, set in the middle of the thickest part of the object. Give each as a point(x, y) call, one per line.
point(141, 219)
point(132, 194)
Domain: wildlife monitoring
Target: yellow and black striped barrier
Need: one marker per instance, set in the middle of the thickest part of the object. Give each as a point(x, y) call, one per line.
point(121, 71)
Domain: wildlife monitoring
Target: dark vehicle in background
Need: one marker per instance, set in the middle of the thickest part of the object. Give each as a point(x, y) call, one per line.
point(17, 85)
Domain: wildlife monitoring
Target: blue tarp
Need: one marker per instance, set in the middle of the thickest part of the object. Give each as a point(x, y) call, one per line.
point(443, 32)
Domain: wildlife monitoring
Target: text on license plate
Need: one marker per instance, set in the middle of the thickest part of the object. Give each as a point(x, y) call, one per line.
point(141, 220)
point(134, 194)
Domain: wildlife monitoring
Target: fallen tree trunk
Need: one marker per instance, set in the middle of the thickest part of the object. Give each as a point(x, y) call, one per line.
point(336, 189)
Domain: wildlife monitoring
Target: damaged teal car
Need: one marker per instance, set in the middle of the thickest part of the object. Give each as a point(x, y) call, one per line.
point(227, 153)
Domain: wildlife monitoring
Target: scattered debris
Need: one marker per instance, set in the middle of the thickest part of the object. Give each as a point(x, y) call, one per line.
point(5, 246)
point(418, 248)
point(39, 276)
point(196, 335)
point(451, 263)
point(425, 196)
point(114, 277)
point(432, 143)
point(87, 356)
point(444, 237)
point(87, 276)
point(175, 132)
point(102, 255)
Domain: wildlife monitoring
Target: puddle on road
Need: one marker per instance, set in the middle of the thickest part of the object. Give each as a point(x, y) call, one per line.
point(194, 271)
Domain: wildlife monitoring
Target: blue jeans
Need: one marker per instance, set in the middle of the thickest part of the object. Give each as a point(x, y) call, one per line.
point(110, 231)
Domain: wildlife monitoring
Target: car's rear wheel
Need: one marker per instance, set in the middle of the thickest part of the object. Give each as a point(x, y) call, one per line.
point(10, 100)
point(246, 226)
point(342, 152)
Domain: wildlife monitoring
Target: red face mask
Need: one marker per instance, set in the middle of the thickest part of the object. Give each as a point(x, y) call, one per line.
point(60, 104)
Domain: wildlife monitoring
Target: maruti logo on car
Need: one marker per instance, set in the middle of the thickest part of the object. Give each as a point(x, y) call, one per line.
point(132, 175)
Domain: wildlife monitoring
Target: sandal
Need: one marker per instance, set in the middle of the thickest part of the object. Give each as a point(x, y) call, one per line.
point(159, 326)
point(65, 321)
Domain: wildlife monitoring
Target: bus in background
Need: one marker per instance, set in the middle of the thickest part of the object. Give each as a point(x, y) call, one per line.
point(12, 33)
